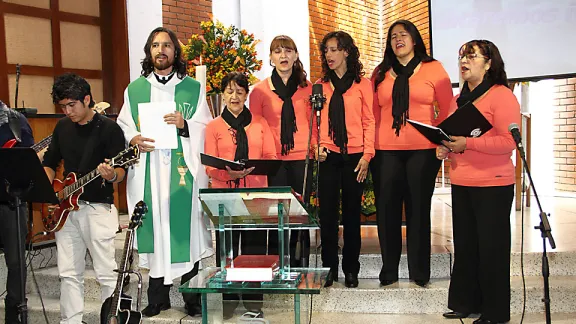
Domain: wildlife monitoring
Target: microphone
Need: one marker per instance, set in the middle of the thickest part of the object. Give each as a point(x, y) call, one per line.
point(515, 131)
point(317, 98)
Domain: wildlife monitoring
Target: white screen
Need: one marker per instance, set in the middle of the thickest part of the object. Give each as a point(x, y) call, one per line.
point(535, 37)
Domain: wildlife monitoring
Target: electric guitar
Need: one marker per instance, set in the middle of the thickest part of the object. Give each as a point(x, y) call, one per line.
point(45, 142)
point(116, 309)
point(69, 191)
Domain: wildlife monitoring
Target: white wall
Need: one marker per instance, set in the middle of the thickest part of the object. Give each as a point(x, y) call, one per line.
point(542, 147)
point(143, 17)
point(263, 19)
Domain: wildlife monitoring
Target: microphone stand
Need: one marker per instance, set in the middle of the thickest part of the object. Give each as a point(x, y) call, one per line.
point(316, 106)
point(17, 82)
point(546, 233)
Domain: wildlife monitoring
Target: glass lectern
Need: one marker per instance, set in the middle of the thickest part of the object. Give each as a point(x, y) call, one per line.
point(272, 208)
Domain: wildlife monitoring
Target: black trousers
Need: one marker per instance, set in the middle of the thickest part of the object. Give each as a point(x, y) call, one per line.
point(291, 173)
point(159, 293)
point(9, 237)
point(480, 281)
point(404, 176)
point(337, 173)
point(244, 242)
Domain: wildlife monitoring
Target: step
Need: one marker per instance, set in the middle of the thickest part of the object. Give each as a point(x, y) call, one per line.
point(407, 298)
point(177, 315)
point(369, 297)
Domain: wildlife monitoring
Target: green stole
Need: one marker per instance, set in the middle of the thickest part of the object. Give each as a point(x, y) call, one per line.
point(186, 97)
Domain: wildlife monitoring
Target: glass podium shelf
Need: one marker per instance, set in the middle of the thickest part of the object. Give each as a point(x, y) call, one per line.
point(255, 208)
point(211, 285)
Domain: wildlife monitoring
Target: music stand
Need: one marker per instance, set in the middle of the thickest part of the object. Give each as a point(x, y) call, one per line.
point(23, 179)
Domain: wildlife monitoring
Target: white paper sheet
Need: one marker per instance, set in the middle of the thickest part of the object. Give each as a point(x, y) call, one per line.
point(152, 124)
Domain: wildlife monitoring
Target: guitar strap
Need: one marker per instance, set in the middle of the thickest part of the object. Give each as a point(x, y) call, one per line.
point(15, 125)
point(90, 147)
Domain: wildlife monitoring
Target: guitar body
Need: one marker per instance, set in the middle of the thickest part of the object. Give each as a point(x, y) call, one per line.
point(125, 315)
point(10, 143)
point(54, 217)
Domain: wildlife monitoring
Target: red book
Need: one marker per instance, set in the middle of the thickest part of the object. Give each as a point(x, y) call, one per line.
point(253, 268)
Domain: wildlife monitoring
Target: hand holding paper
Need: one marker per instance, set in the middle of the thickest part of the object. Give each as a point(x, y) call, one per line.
point(153, 126)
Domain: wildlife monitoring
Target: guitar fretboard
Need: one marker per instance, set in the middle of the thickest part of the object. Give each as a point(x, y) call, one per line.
point(86, 179)
point(42, 144)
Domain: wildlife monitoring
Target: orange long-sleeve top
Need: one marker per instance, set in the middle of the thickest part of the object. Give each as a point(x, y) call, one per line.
point(220, 142)
point(429, 85)
point(360, 124)
point(265, 102)
point(487, 159)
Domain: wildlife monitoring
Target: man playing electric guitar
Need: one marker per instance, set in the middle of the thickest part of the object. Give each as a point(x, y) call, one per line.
point(13, 125)
point(84, 140)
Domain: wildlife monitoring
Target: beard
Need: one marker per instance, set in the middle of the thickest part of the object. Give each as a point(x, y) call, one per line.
point(161, 66)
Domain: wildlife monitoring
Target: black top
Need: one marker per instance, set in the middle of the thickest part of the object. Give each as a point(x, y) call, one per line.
point(26, 132)
point(70, 141)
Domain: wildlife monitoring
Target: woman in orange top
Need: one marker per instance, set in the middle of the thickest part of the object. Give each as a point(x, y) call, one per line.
point(408, 83)
point(283, 100)
point(482, 177)
point(237, 135)
point(346, 146)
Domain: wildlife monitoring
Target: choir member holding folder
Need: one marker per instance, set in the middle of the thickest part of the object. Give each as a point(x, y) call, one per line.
point(482, 176)
point(408, 84)
point(238, 135)
point(347, 146)
point(283, 100)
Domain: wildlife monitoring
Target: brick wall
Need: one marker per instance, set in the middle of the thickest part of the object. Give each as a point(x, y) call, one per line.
point(359, 18)
point(565, 135)
point(184, 16)
point(414, 10)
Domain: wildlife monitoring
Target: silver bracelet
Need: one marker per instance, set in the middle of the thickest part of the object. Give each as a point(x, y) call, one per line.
point(114, 178)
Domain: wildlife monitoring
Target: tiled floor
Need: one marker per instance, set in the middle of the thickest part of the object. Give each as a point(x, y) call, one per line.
point(562, 210)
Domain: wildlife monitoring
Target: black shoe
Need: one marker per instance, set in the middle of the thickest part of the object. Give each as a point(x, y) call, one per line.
point(193, 309)
point(485, 321)
point(387, 282)
point(455, 315)
point(421, 283)
point(351, 280)
point(332, 276)
point(154, 309)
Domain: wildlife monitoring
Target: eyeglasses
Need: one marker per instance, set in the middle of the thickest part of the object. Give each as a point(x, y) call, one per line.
point(232, 132)
point(471, 56)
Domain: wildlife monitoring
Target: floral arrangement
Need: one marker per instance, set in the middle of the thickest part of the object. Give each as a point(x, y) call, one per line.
point(222, 50)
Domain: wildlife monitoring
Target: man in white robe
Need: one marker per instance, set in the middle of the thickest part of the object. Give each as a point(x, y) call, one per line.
point(174, 237)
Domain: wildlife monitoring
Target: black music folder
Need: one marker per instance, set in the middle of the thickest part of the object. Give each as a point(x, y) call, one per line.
point(261, 167)
point(466, 121)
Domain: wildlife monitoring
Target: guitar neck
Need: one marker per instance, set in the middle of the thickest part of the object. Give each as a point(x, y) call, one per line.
point(42, 144)
point(80, 183)
point(121, 269)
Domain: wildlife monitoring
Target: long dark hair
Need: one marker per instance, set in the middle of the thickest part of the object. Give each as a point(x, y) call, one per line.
point(148, 62)
point(346, 43)
point(71, 86)
point(284, 41)
point(390, 57)
point(496, 74)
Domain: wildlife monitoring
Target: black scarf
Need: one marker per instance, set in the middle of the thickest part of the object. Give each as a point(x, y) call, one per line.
point(238, 124)
point(288, 119)
point(470, 96)
point(401, 92)
point(336, 115)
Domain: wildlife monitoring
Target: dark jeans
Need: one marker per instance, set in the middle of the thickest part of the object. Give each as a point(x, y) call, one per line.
point(409, 177)
point(291, 173)
point(480, 281)
point(337, 173)
point(9, 238)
